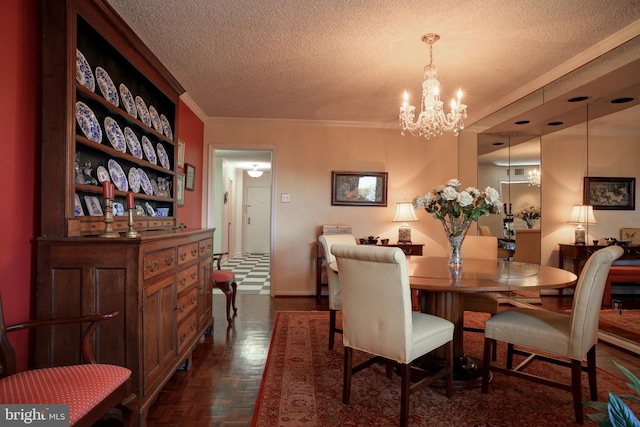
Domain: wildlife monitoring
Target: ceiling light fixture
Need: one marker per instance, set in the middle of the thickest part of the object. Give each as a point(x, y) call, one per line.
point(432, 120)
point(255, 173)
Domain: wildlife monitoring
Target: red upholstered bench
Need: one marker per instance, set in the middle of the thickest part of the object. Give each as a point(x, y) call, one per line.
point(620, 274)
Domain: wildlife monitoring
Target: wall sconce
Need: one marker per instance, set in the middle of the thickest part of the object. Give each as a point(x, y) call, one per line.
point(582, 214)
point(404, 213)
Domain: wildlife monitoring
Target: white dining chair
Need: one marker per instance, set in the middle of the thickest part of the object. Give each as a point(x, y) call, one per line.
point(558, 335)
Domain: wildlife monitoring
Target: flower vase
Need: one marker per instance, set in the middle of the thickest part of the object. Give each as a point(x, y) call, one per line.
point(529, 223)
point(455, 255)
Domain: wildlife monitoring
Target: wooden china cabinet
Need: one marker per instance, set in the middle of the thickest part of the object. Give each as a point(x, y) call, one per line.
point(110, 110)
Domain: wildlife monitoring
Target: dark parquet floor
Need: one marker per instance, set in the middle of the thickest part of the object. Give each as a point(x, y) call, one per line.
point(222, 387)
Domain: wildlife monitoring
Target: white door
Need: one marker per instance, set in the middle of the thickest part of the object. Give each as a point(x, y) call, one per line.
point(258, 220)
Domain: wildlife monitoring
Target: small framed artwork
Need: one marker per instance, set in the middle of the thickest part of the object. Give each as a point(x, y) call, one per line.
point(180, 189)
point(190, 172)
point(181, 148)
point(610, 193)
point(358, 188)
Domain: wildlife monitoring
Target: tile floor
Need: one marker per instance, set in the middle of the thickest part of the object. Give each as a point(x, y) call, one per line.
point(252, 273)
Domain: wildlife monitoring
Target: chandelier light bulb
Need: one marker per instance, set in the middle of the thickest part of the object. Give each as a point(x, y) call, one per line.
point(432, 119)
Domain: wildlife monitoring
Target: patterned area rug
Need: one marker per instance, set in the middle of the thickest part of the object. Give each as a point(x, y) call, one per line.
point(625, 323)
point(302, 386)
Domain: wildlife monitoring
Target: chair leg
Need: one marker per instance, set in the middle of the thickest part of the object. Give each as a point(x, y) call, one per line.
point(488, 343)
point(129, 408)
point(227, 293)
point(510, 356)
point(348, 371)
point(332, 328)
point(591, 372)
point(405, 385)
point(494, 351)
point(448, 354)
point(234, 290)
point(576, 389)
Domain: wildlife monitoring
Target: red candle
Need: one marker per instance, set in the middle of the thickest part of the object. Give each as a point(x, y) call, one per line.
point(129, 200)
point(107, 191)
point(111, 190)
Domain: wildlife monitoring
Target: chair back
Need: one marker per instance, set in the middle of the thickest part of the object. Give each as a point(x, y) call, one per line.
point(333, 282)
point(7, 353)
point(484, 230)
point(480, 247)
point(587, 300)
point(527, 246)
point(376, 300)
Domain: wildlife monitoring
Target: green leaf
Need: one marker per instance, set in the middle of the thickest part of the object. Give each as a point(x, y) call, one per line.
point(620, 414)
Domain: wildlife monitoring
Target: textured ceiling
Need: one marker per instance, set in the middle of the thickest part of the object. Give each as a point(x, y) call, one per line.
point(350, 60)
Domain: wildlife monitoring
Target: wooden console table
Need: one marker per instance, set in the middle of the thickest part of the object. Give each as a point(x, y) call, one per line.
point(408, 249)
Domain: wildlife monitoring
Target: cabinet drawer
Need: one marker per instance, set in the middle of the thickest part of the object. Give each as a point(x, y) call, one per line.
point(206, 246)
point(159, 261)
point(186, 304)
point(187, 277)
point(187, 330)
point(187, 252)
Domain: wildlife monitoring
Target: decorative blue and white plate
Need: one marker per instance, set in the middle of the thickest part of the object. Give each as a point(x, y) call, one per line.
point(162, 155)
point(145, 183)
point(127, 101)
point(142, 111)
point(106, 86)
point(166, 126)
point(77, 207)
point(88, 122)
point(133, 143)
point(93, 205)
point(84, 75)
point(134, 180)
point(115, 135)
point(148, 150)
point(149, 208)
point(118, 177)
point(155, 118)
point(103, 174)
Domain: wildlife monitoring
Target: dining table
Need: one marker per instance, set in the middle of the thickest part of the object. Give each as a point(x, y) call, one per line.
point(441, 292)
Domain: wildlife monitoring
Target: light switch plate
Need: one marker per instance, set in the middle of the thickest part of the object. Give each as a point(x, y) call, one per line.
point(285, 198)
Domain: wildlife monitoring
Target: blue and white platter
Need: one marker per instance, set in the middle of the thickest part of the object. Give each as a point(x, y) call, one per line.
point(162, 155)
point(88, 122)
point(77, 207)
point(148, 150)
point(118, 177)
point(115, 135)
point(93, 205)
point(106, 86)
point(133, 143)
point(166, 126)
point(84, 75)
point(145, 183)
point(103, 174)
point(143, 112)
point(128, 101)
point(155, 119)
point(134, 180)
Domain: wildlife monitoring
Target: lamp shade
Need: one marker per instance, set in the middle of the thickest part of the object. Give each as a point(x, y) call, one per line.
point(582, 214)
point(405, 212)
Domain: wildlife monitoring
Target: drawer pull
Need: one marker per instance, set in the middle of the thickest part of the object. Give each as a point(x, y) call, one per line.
point(152, 266)
point(194, 252)
point(182, 338)
point(193, 275)
point(180, 307)
point(193, 300)
point(183, 256)
point(183, 281)
point(193, 326)
point(168, 260)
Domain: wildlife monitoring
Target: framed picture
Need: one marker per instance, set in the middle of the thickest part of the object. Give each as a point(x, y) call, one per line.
point(358, 188)
point(610, 193)
point(180, 189)
point(190, 172)
point(181, 148)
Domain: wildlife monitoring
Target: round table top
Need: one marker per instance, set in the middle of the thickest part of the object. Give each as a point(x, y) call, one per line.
point(433, 274)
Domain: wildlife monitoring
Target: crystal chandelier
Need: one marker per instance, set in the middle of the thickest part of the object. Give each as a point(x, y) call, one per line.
point(534, 178)
point(432, 120)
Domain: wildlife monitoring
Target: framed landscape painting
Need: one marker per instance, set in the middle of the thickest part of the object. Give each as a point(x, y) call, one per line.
point(610, 193)
point(358, 188)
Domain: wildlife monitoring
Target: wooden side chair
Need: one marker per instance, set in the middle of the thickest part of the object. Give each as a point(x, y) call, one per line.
point(225, 280)
point(560, 336)
point(89, 389)
point(378, 319)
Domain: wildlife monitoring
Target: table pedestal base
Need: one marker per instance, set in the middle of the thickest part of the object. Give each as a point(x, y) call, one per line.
point(467, 371)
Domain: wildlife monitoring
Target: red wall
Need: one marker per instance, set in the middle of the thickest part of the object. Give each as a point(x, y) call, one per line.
point(191, 131)
point(20, 123)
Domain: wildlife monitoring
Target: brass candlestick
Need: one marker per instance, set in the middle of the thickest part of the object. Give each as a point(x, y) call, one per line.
point(108, 220)
point(131, 233)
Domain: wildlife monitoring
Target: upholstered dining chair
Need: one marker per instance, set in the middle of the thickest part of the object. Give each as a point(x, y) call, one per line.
point(89, 389)
point(481, 247)
point(225, 280)
point(333, 282)
point(572, 336)
point(378, 319)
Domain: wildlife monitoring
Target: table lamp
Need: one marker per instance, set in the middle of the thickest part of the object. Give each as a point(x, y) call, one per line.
point(579, 215)
point(404, 213)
